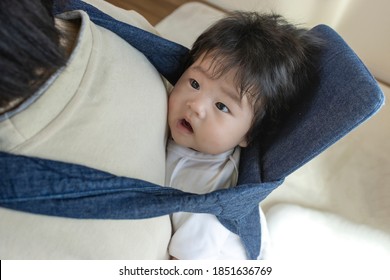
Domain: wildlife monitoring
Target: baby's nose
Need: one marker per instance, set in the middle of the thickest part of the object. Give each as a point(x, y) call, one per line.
point(198, 106)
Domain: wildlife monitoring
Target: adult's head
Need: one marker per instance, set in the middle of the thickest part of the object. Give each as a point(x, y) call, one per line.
point(30, 49)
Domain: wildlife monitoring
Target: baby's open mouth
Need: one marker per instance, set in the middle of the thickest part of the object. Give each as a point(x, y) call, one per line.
point(187, 125)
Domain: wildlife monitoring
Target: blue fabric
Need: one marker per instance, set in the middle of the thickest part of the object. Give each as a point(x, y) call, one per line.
point(169, 58)
point(80, 192)
point(347, 95)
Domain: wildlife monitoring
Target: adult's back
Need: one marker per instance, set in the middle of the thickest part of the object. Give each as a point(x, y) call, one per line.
point(104, 109)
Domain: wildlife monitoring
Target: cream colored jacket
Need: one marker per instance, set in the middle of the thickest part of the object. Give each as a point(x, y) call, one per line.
point(107, 110)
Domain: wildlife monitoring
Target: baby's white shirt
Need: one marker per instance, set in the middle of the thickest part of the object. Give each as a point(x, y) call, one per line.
point(202, 236)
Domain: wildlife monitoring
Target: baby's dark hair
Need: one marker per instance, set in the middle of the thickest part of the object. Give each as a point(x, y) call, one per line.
point(274, 60)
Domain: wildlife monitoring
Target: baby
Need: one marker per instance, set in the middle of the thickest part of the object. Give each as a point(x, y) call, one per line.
point(245, 69)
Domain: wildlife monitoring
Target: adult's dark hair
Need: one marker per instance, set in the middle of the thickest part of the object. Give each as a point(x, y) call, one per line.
point(29, 49)
point(274, 60)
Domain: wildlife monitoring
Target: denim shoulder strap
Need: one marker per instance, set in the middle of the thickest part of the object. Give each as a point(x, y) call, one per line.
point(167, 57)
point(68, 190)
point(346, 95)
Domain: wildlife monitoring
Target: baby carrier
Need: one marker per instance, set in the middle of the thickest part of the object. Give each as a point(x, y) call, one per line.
point(345, 96)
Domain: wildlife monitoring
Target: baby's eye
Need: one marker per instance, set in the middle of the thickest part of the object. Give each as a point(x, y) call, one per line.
point(194, 84)
point(222, 107)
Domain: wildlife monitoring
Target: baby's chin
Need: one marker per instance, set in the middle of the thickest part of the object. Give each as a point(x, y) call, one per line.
point(191, 147)
point(206, 150)
point(203, 148)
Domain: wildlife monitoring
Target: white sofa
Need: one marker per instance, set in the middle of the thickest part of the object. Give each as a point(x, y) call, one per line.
point(338, 205)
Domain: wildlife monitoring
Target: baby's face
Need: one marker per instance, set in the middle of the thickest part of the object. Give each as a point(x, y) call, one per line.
point(206, 113)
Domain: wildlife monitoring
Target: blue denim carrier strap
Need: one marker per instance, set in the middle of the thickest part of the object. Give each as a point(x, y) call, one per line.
point(169, 58)
point(346, 95)
point(68, 190)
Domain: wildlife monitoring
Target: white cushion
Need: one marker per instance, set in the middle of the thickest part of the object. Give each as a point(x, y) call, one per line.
point(302, 233)
point(187, 22)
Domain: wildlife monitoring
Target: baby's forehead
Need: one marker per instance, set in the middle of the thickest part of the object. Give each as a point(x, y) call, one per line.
point(216, 65)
